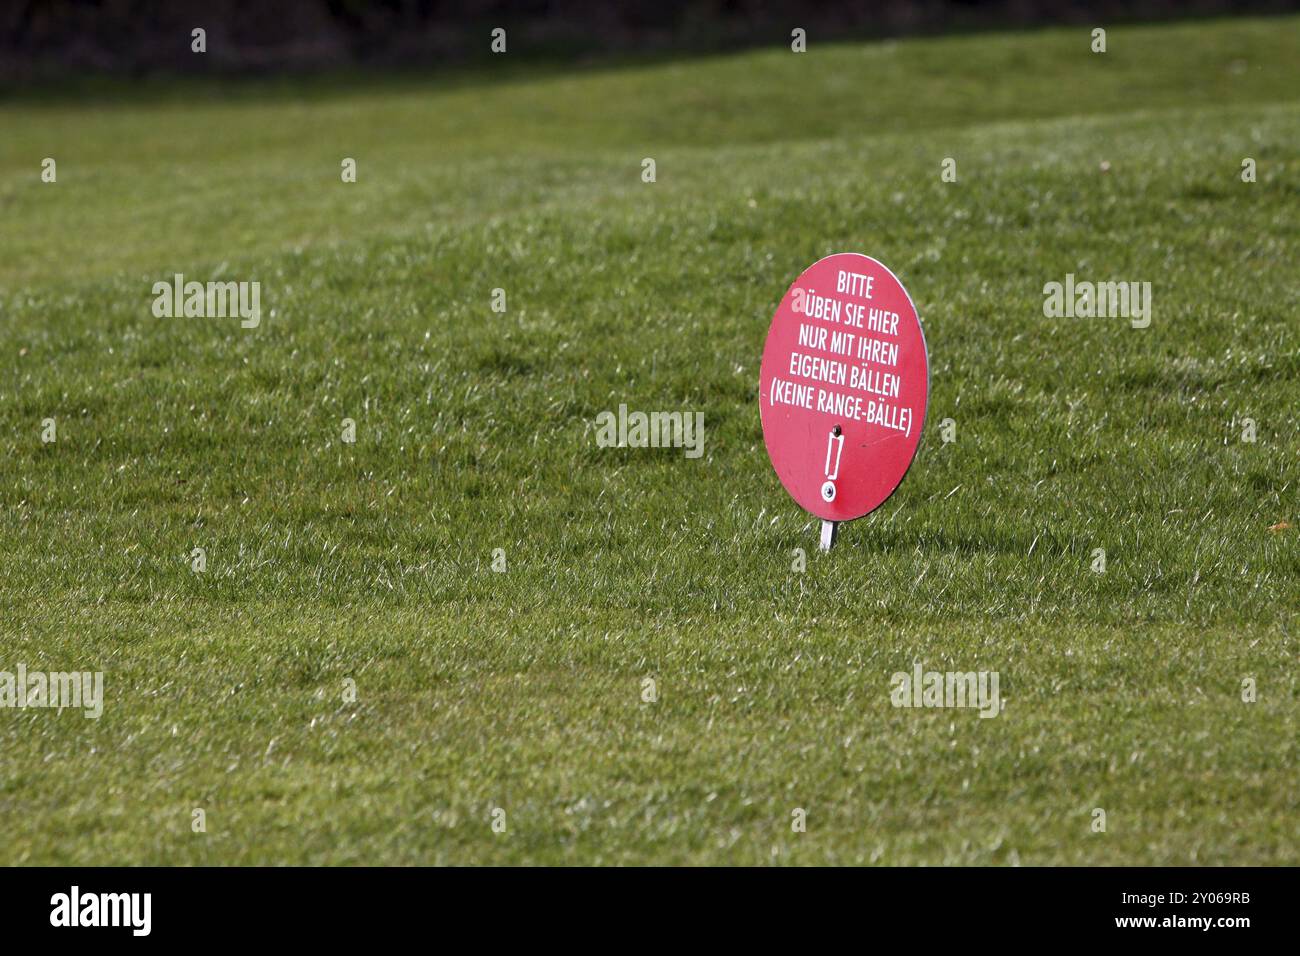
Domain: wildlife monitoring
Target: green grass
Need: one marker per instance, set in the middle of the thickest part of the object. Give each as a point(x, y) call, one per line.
point(372, 562)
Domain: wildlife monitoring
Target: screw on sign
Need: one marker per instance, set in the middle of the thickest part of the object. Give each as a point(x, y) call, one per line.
point(843, 388)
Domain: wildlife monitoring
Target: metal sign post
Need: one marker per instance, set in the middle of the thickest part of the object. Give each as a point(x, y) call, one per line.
point(829, 531)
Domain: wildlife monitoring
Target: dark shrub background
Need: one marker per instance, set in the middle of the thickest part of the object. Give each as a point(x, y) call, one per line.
point(44, 38)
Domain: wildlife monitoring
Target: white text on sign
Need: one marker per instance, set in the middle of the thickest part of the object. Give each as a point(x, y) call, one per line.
point(860, 346)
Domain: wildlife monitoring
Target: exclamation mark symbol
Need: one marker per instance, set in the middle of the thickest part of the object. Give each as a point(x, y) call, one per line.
point(834, 448)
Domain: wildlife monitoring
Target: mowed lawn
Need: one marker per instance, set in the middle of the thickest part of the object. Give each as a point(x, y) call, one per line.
point(369, 565)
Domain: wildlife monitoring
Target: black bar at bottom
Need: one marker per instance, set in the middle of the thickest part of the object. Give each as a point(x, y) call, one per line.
point(332, 907)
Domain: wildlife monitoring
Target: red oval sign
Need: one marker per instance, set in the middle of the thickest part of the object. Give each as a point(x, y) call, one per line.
point(844, 386)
